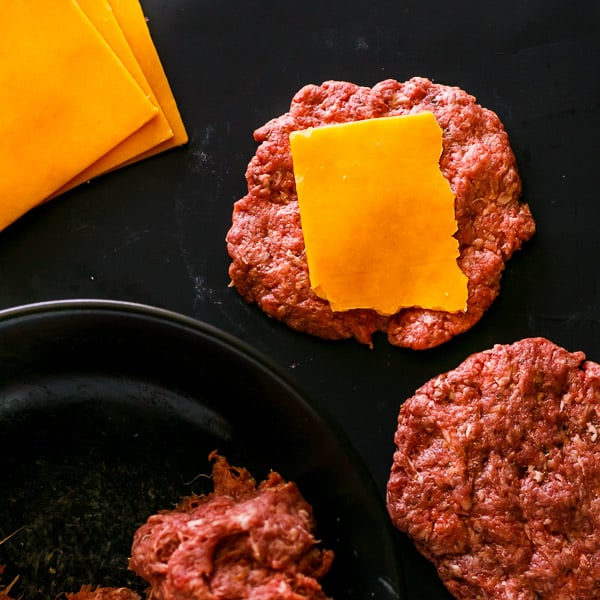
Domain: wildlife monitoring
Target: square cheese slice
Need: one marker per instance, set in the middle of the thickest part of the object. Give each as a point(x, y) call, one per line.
point(59, 114)
point(377, 215)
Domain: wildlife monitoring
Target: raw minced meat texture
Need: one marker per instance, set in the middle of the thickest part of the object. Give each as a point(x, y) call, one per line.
point(266, 244)
point(242, 541)
point(496, 475)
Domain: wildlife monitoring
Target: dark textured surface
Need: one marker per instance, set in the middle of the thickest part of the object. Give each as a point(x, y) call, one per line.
point(155, 232)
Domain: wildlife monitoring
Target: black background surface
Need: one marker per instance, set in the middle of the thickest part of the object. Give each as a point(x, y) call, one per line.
point(154, 232)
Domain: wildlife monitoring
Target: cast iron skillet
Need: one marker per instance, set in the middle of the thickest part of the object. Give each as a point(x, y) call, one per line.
point(108, 412)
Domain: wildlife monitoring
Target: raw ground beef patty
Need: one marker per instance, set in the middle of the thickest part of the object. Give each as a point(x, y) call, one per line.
point(496, 476)
point(241, 542)
point(265, 240)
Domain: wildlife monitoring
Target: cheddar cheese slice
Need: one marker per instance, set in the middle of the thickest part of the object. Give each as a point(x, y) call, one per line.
point(131, 18)
point(68, 100)
point(378, 215)
point(151, 134)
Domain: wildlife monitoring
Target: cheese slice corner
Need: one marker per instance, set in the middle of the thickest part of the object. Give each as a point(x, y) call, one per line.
point(130, 15)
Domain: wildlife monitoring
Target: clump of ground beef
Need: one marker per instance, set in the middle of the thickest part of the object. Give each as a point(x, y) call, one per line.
point(242, 541)
point(496, 475)
point(266, 244)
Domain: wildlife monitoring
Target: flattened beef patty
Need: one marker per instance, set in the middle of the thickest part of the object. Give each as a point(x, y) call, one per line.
point(242, 541)
point(496, 476)
point(265, 240)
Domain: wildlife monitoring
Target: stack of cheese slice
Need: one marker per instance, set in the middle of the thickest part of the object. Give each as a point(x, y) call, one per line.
point(84, 93)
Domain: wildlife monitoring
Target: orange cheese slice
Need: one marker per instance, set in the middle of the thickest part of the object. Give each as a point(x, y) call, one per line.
point(148, 136)
point(378, 215)
point(131, 18)
point(59, 113)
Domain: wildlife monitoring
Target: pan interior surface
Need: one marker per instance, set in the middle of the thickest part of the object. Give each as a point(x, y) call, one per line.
point(108, 412)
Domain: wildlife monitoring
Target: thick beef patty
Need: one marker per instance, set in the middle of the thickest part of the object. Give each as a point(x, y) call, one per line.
point(242, 541)
point(265, 240)
point(496, 476)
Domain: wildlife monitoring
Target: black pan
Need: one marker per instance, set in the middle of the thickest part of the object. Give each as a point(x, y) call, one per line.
point(108, 412)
